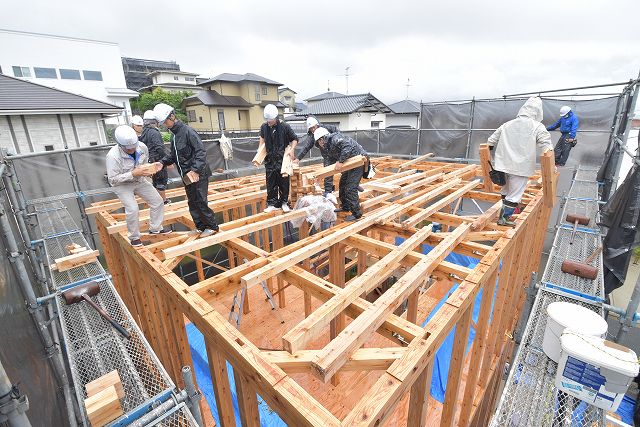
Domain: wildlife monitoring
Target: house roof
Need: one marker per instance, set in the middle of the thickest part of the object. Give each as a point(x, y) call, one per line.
point(347, 104)
point(19, 96)
point(282, 89)
point(237, 78)
point(170, 85)
point(276, 103)
point(212, 98)
point(406, 106)
point(182, 73)
point(324, 96)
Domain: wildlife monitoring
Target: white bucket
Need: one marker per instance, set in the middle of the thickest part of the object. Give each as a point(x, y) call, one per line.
point(563, 315)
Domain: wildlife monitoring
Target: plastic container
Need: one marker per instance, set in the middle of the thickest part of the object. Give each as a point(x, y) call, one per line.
point(563, 315)
point(595, 370)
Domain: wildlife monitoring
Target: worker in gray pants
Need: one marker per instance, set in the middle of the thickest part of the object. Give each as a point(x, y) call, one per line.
point(339, 149)
point(128, 179)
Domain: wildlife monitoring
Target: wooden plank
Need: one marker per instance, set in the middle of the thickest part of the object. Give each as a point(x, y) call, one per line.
point(330, 170)
point(221, 387)
point(247, 401)
point(414, 161)
point(485, 158)
point(103, 407)
point(488, 215)
point(455, 369)
point(223, 235)
point(310, 327)
point(337, 352)
point(364, 359)
point(549, 178)
point(418, 403)
point(75, 260)
point(435, 207)
point(107, 380)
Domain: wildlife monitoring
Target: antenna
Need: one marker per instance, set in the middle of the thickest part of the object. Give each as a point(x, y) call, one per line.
point(407, 85)
point(346, 76)
point(328, 86)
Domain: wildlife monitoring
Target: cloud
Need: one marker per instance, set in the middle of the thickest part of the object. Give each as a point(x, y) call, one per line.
point(448, 50)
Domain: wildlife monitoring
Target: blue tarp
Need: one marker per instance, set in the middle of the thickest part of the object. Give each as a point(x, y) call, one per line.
point(268, 418)
point(625, 410)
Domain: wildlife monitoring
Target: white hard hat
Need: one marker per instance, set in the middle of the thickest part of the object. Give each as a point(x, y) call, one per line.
point(162, 111)
point(137, 120)
point(319, 133)
point(149, 115)
point(564, 110)
point(126, 136)
point(311, 122)
point(270, 112)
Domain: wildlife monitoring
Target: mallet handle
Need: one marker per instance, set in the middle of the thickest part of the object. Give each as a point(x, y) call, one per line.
point(108, 318)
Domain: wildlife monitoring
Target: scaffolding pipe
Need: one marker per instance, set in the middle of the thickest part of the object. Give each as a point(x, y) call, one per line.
point(52, 350)
point(569, 88)
point(12, 404)
point(193, 395)
point(86, 225)
point(160, 410)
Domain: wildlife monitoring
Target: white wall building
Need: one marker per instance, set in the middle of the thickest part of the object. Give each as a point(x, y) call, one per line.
point(348, 112)
point(173, 81)
point(406, 114)
point(84, 67)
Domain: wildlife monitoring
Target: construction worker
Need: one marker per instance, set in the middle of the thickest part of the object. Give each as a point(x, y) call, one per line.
point(312, 125)
point(137, 123)
point(188, 153)
point(515, 153)
point(568, 124)
point(276, 136)
point(128, 180)
point(339, 149)
point(152, 138)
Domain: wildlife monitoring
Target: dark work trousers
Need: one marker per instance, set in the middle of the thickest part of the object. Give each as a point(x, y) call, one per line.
point(160, 179)
point(202, 215)
point(349, 196)
point(277, 186)
point(328, 181)
point(562, 150)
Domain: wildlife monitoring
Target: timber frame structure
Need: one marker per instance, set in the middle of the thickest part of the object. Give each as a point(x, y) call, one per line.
point(382, 338)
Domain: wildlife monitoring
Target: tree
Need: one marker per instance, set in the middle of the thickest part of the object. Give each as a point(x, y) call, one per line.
point(148, 100)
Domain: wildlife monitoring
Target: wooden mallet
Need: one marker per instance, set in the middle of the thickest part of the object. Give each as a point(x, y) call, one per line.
point(576, 219)
point(84, 293)
point(582, 269)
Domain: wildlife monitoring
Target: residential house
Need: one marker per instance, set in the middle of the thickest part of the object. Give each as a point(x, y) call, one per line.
point(172, 81)
point(231, 102)
point(406, 115)
point(84, 67)
point(288, 98)
point(37, 118)
point(348, 112)
point(137, 70)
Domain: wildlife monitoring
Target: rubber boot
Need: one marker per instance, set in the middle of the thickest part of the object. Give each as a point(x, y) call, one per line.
point(506, 213)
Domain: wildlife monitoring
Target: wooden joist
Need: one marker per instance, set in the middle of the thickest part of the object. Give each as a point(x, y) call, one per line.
point(75, 260)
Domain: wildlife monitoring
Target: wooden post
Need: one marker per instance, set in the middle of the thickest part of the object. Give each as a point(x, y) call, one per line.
point(306, 264)
point(199, 267)
point(247, 401)
point(221, 387)
point(485, 158)
point(549, 178)
point(419, 400)
point(278, 243)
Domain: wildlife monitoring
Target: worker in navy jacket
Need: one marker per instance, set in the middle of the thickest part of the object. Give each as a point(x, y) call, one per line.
point(568, 124)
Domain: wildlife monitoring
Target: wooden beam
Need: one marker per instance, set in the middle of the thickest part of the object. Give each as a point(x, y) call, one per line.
point(330, 170)
point(414, 161)
point(485, 158)
point(310, 327)
point(75, 260)
point(488, 215)
point(337, 352)
point(247, 401)
point(419, 401)
point(549, 178)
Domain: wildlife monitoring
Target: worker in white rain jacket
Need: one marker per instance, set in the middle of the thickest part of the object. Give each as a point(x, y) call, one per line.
point(128, 181)
point(515, 145)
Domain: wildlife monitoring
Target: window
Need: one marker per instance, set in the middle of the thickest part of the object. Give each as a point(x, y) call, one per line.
point(191, 116)
point(45, 73)
point(69, 74)
point(200, 119)
point(221, 119)
point(93, 143)
point(375, 124)
point(48, 148)
point(265, 90)
point(92, 75)
point(239, 116)
point(189, 79)
point(21, 71)
point(257, 87)
point(287, 98)
point(176, 78)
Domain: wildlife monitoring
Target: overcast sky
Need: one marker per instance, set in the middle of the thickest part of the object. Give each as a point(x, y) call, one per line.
point(448, 49)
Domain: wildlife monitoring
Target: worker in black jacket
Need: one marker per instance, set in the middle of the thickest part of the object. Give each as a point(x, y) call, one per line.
point(339, 149)
point(152, 138)
point(276, 136)
point(312, 125)
point(188, 153)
